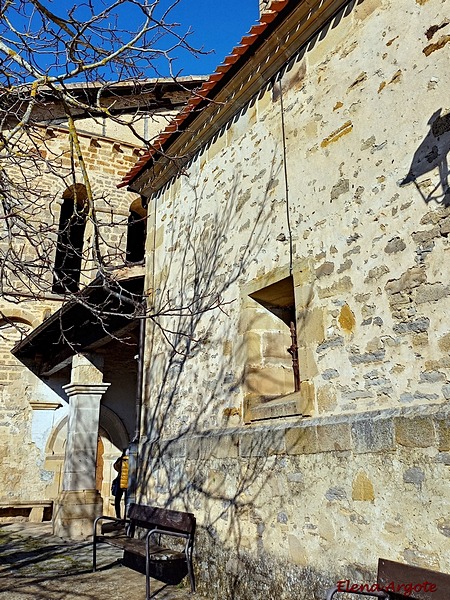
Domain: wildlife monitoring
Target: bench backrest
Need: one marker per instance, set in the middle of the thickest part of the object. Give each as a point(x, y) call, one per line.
point(412, 583)
point(142, 515)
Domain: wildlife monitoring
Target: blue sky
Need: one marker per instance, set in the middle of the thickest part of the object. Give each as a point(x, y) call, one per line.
point(218, 25)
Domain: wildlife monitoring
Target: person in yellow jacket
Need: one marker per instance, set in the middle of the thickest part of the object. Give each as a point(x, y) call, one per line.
point(120, 484)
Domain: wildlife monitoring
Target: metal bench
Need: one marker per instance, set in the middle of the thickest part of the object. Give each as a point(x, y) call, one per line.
point(150, 553)
point(396, 581)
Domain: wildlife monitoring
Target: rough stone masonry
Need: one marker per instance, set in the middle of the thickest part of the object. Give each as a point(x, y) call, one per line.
point(326, 194)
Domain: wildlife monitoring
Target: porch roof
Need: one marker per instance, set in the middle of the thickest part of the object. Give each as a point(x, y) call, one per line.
point(96, 316)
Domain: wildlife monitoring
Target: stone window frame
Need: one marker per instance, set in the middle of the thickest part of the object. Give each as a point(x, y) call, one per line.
point(70, 243)
point(136, 232)
point(310, 331)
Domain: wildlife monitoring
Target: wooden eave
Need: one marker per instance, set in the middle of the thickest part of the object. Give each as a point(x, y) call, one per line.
point(235, 84)
point(75, 327)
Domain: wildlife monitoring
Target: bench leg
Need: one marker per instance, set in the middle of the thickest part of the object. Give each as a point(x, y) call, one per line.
point(147, 575)
point(36, 514)
point(94, 554)
point(191, 575)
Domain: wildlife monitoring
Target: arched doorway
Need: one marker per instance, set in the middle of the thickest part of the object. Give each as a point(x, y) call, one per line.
point(113, 437)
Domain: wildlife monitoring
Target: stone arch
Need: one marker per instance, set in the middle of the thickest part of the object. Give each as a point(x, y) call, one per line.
point(69, 248)
point(113, 438)
point(15, 325)
point(136, 232)
point(18, 315)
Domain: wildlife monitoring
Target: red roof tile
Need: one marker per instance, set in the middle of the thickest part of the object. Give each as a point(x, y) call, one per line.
point(258, 29)
point(249, 39)
point(231, 59)
point(268, 16)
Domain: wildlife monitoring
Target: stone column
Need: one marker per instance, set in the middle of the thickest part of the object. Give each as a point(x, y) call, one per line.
point(79, 502)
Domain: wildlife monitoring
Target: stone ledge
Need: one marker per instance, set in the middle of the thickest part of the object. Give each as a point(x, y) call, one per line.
point(363, 433)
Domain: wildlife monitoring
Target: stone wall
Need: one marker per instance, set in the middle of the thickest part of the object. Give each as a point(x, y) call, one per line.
point(31, 410)
point(336, 176)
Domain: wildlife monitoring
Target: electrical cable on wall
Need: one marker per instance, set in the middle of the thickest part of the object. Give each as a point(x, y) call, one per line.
point(286, 180)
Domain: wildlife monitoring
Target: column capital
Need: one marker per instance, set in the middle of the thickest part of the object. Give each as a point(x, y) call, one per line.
point(73, 389)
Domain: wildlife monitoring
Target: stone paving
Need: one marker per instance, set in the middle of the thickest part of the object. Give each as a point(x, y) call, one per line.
point(35, 565)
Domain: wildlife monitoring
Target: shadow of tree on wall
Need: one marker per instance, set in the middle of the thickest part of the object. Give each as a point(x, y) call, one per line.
point(432, 153)
point(196, 456)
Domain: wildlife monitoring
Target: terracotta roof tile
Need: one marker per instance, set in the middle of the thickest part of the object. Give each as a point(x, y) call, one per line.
point(223, 68)
point(238, 52)
point(278, 5)
point(249, 39)
point(215, 77)
point(258, 29)
point(231, 59)
point(268, 17)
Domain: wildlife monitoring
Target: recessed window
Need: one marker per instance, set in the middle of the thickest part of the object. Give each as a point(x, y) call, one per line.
point(136, 233)
point(69, 250)
point(272, 378)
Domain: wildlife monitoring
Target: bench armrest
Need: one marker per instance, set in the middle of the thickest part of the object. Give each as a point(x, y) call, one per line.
point(332, 591)
point(107, 518)
point(157, 531)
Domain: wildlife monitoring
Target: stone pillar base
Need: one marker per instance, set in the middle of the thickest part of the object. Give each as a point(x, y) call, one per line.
point(74, 513)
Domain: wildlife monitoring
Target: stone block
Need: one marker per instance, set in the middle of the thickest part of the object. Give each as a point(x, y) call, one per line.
point(333, 438)
point(284, 406)
point(310, 326)
point(199, 447)
point(414, 475)
point(74, 513)
point(253, 346)
point(336, 493)
point(325, 269)
point(365, 9)
point(225, 446)
point(36, 514)
point(362, 488)
point(306, 399)
point(443, 434)
point(307, 363)
point(297, 551)
point(262, 320)
point(421, 237)
point(415, 432)
point(443, 526)
point(373, 436)
point(87, 369)
point(159, 237)
point(347, 319)
point(173, 448)
point(394, 245)
point(215, 483)
point(338, 288)
point(304, 294)
point(326, 398)
point(409, 280)
point(262, 443)
point(275, 346)
point(431, 293)
point(270, 381)
point(445, 226)
point(444, 343)
point(302, 440)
